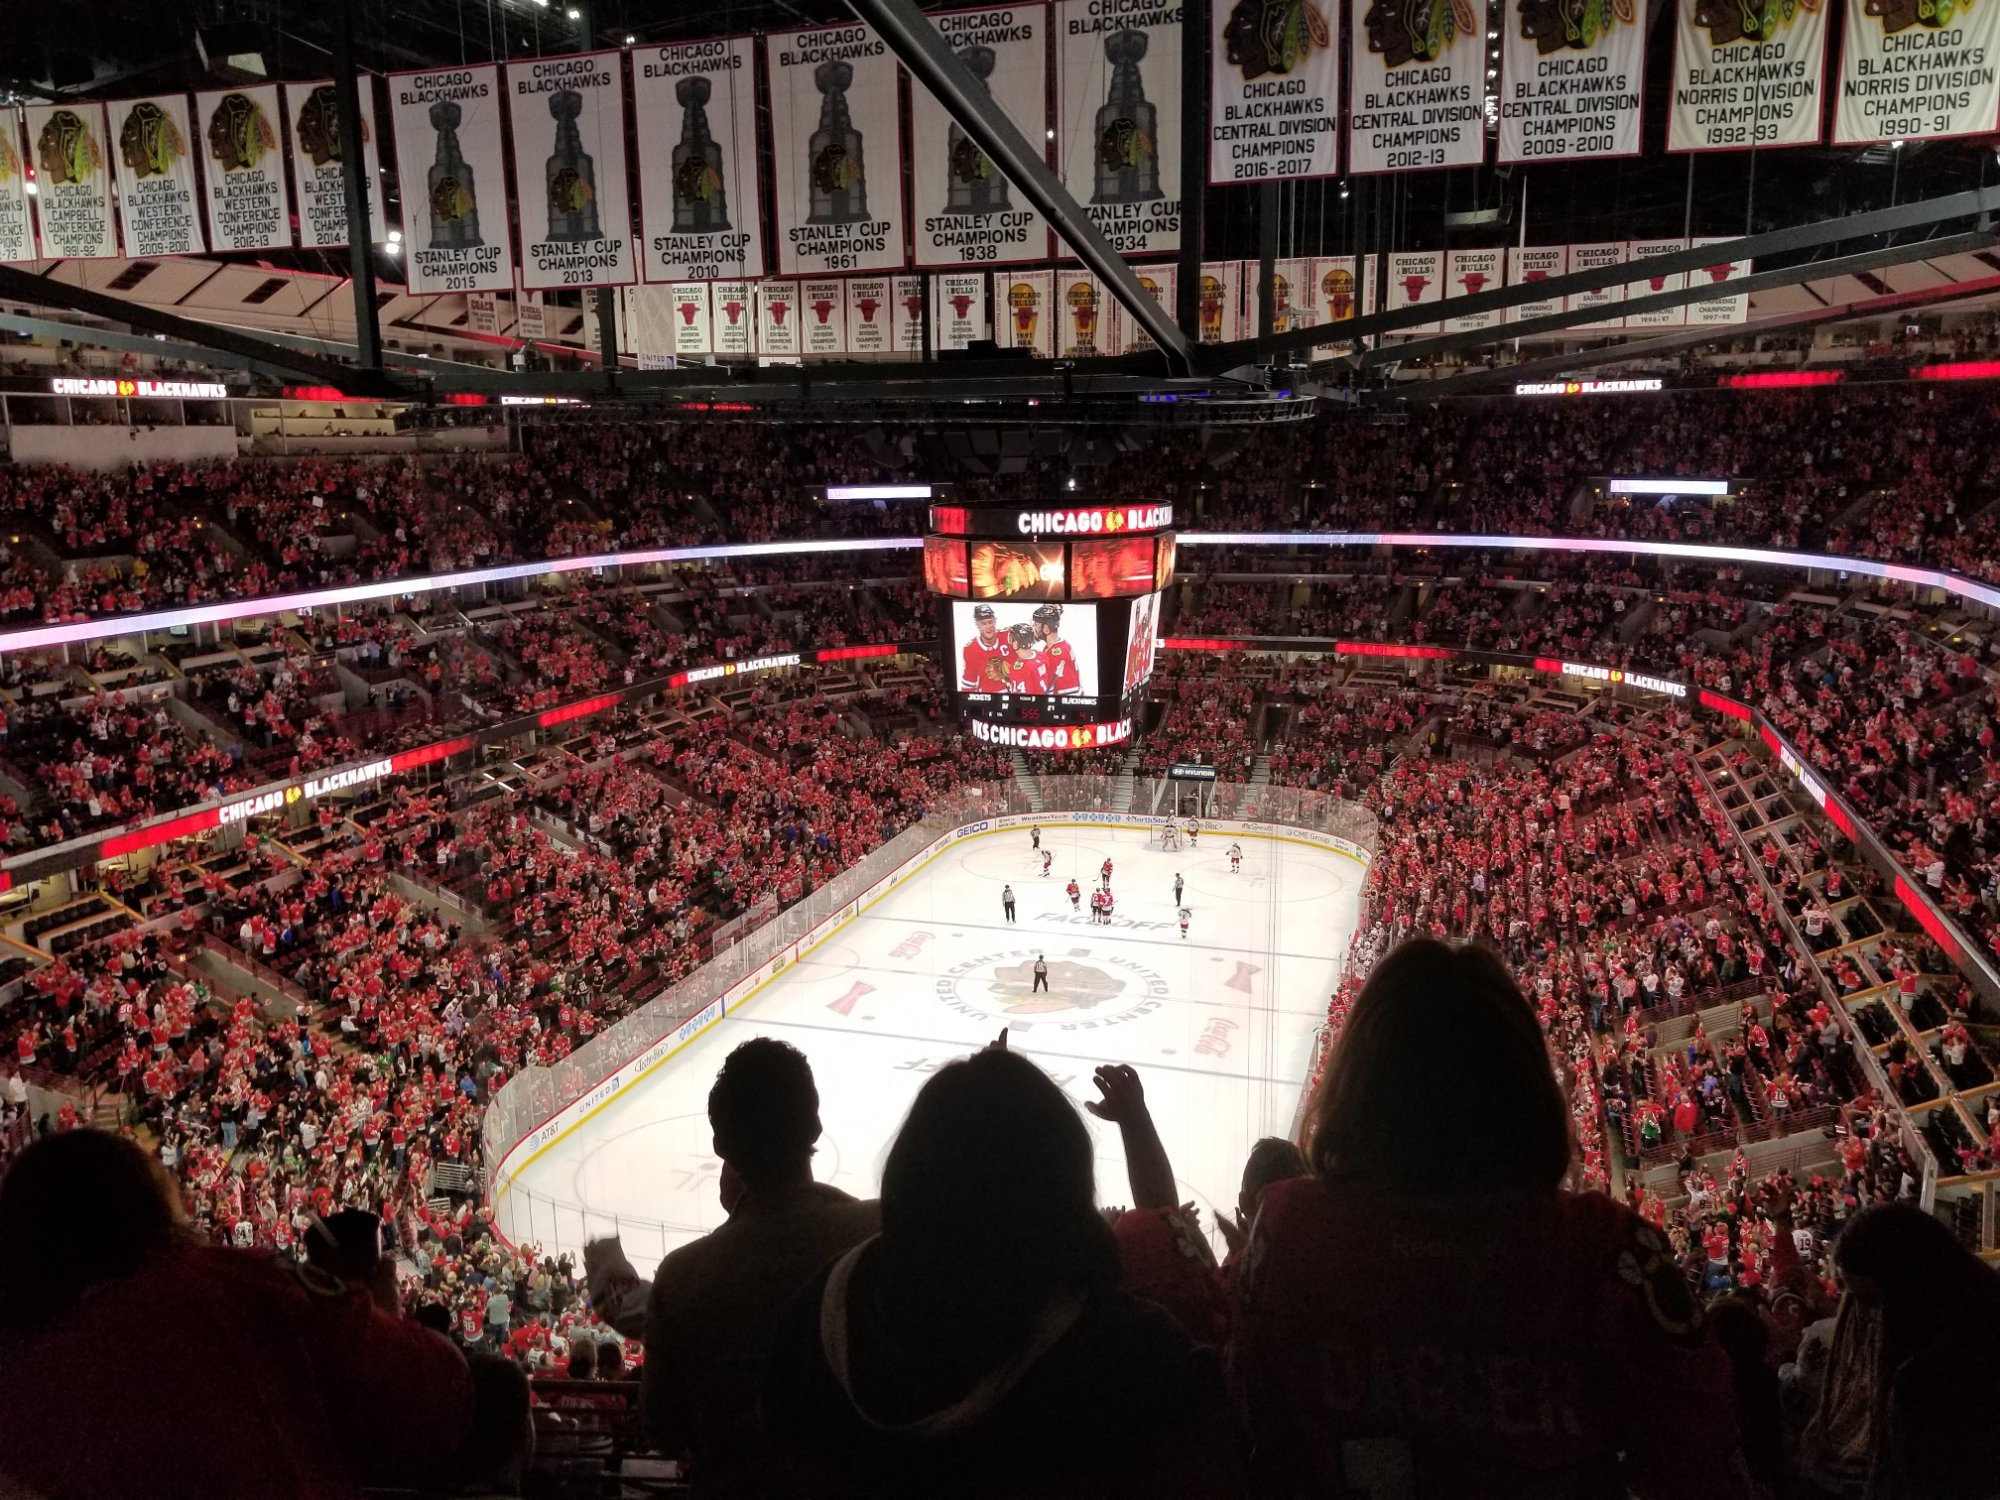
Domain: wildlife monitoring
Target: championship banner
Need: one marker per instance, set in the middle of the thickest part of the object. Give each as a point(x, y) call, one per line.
point(568, 120)
point(448, 155)
point(823, 317)
point(1571, 73)
point(1670, 317)
point(156, 186)
point(1917, 68)
point(1467, 273)
point(1611, 298)
point(1024, 311)
point(1159, 283)
point(838, 144)
point(1219, 309)
point(1747, 75)
point(1294, 303)
point(733, 316)
point(1085, 320)
point(965, 212)
point(319, 180)
point(249, 204)
point(688, 316)
point(906, 312)
point(1118, 127)
point(868, 315)
point(958, 305)
point(17, 227)
point(778, 317)
point(700, 213)
point(1416, 279)
point(1725, 311)
point(1528, 263)
point(531, 316)
point(1336, 288)
point(1273, 90)
point(1418, 96)
point(73, 173)
point(482, 312)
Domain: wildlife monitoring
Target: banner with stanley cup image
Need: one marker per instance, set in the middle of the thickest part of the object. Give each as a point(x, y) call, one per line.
point(1118, 118)
point(837, 143)
point(567, 115)
point(249, 202)
point(73, 178)
point(319, 177)
point(700, 214)
point(157, 194)
point(965, 211)
point(450, 161)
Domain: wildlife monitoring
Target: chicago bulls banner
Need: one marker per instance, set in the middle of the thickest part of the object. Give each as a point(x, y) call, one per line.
point(837, 139)
point(700, 213)
point(1571, 72)
point(450, 158)
point(1528, 263)
point(1724, 311)
point(966, 212)
point(823, 317)
point(319, 181)
point(1274, 90)
point(778, 318)
point(958, 305)
point(1467, 273)
point(1419, 84)
point(868, 315)
point(1647, 284)
point(1415, 280)
point(1595, 257)
point(906, 314)
point(1085, 317)
point(1118, 118)
point(156, 187)
point(1158, 283)
point(1747, 75)
point(1024, 311)
point(688, 317)
point(1917, 68)
point(733, 316)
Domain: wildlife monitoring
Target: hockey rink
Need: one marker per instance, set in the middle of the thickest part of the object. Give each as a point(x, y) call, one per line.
point(1220, 1025)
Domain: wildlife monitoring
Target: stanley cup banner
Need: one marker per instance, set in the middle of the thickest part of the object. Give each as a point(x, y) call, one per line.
point(249, 204)
point(1917, 68)
point(838, 143)
point(965, 212)
point(568, 120)
point(1570, 78)
point(155, 169)
point(1747, 74)
point(1118, 126)
point(1418, 97)
point(1729, 309)
point(1024, 311)
point(778, 318)
point(1219, 305)
point(1083, 325)
point(449, 157)
point(868, 315)
point(906, 314)
point(1667, 317)
point(733, 316)
point(1274, 90)
point(1416, 279)
point(823, 317)
point(700, 212)
point(1530, 263)
point(73, 173)
point(1157, 282)
point(1467, 273)
point(17, 228)
point(958, 303)
point(319, 177)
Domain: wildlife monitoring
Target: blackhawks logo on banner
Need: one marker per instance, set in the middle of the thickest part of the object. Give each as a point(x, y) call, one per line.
point(1419, 92)
point(1571, 72)
point(1913, 68)
point(1275, 115)
point(1747, 73)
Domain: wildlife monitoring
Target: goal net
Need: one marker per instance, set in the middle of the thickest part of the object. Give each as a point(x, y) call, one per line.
point(1163, 836)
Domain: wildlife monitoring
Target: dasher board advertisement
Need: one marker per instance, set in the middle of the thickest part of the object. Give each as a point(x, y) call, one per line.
point(837, 143)
point(701, 216)
point(966, 213)
point(1026, 649)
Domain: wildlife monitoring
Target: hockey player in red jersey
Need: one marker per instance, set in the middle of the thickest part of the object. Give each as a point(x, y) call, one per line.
point(1026, 671)
point(986, 660)
point(1058, 656)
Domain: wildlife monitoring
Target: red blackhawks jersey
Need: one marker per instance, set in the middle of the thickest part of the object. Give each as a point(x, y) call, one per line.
point(986, 669)
point(1469, 1348)
point(1059, 672)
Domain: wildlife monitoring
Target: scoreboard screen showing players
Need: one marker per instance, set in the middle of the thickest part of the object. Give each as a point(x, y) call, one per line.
point(1142, 641)
point(1025, 649)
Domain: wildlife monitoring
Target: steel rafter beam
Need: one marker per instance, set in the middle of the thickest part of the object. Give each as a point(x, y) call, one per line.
point(1757, 281)
point(935, 66)
point(258, 355)
point(1980, 204)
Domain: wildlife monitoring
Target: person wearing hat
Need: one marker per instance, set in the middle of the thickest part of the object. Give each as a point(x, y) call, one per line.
point(1059, 669)
point(984, 664)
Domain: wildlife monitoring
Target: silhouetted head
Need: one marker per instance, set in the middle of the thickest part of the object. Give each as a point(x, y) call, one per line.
point(764, 1110)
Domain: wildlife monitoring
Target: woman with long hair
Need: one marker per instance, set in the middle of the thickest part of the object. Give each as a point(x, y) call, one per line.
point(1431, 1314)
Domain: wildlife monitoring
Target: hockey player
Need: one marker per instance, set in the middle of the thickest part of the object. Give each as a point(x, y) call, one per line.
point(1109, 905)
point(1236, 859)
point(1027, 672)
point(1096, 908)
point(1047, 860)
point(1184, 914)
point(1075, 894)
point(1104, 872)
point(1194, 833)
point(984, 665)
point(1058, 657)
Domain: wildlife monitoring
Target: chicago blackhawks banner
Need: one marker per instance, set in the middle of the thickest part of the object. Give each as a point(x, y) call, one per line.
point(868, 315)
point(1219, 309)
point(958, 304)
point(1570, 76)
point(1024, 314)
point(318, 179)
point(1747, 75)
point(733, 316)
point(1467, 273)
point(1118, 126)
point(1528, 263)
point(699, 208)
point(823, 317)
point(1274, 100)
point(249, 205)
point(965, 211)
point(1648, 283)
point(778, 318)
point(1917, 68)
point(1726, 310)
point(156, 186)
point(838, 147)
point(907, 314)
point(17, 229)
point(448, 155)
point(1596, 257)
point(568, 119)
point(1419, 90)
point(1086, 318)
point(73, 173)
point(1416, 279)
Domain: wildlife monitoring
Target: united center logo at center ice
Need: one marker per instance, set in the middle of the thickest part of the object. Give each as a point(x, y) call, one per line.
point(1086, 989)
